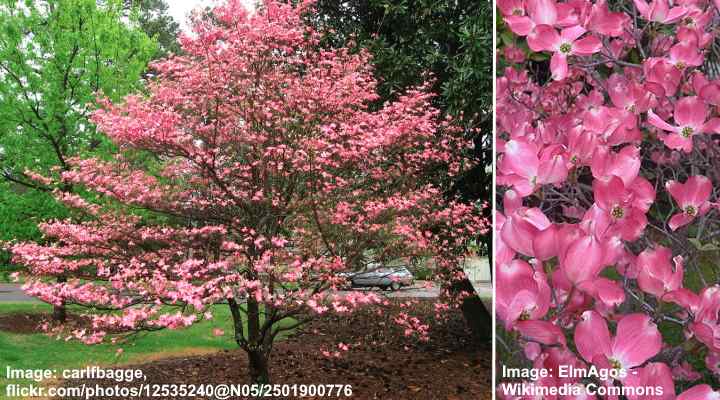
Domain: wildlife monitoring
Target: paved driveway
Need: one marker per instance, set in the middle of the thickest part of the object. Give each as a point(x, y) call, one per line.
point(419, 290)
point(10, 292)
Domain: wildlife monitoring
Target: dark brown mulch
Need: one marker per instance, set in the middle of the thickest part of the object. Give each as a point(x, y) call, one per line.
point(382, 363)
point(28, 323)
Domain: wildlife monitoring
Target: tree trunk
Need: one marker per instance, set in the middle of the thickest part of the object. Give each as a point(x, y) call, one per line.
point(257, 358)
point(59, 313)
point(476, 315)
point(253, 316)
point(259, 372)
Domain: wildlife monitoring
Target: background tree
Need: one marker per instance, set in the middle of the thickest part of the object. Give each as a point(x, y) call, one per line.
point(55, 55)
point(153, 18)
point(277, 175)
point(451, 41)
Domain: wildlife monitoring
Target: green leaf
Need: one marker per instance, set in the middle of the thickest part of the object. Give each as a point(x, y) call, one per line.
point(539, 56)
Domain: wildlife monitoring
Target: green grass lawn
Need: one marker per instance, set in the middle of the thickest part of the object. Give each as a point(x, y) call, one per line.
point(38, 351)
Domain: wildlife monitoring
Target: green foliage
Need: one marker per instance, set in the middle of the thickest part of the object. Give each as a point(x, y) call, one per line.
point(55, 56)
point(21, 209)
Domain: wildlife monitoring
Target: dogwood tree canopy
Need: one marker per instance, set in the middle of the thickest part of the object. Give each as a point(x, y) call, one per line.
point(272, 176)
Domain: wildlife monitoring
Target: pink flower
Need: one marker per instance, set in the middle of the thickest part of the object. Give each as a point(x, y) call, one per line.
point(525, 167)
point(704, 309)
point(539, 12)
point(659, 11)
point(601, 20)
point(625, 205)
point(514, 54)
point(552, 358)
point(511, 7)
point(685, 372)
point(625, 164)
point(657, 275)
point(712, 361)
point(581, 146)
point(692, 198)
point(699, 392)
point(503, 253)
point(691, 118)
point(654, 374)
point(564, 44)
point(636, 340)
point(686, 52)
point(709, 91)
point(661, 76)
point(521, 228)
point(278, 242)
point(582, 256)
point(603, 121)
point(607, 291)
point(544, 332)
point(628, 94)
point(522, 293)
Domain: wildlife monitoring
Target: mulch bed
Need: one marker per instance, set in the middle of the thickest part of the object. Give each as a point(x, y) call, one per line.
point(29, 323)
point(382, 363)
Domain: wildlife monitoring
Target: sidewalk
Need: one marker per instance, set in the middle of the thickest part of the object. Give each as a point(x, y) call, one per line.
point(11, 292)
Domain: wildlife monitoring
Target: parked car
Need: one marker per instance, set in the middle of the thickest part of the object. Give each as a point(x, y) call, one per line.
point(384, 278)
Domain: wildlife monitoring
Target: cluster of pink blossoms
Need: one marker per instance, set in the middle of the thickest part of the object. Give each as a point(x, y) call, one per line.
point(607, 124)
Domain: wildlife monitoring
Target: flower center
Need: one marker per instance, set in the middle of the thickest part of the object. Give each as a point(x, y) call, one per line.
point(680, 65)
point(565, 48)
point(617, 212)
point(517, 11)
point(615, 364)
point(686, 131)
point(524, 316)
point(690, 210)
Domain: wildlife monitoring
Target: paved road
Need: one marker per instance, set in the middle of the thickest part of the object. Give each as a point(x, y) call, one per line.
point(10, 292)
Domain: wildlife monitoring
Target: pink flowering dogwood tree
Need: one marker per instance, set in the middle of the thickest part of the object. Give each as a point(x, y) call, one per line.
point(264, 174)
point(607, 226)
